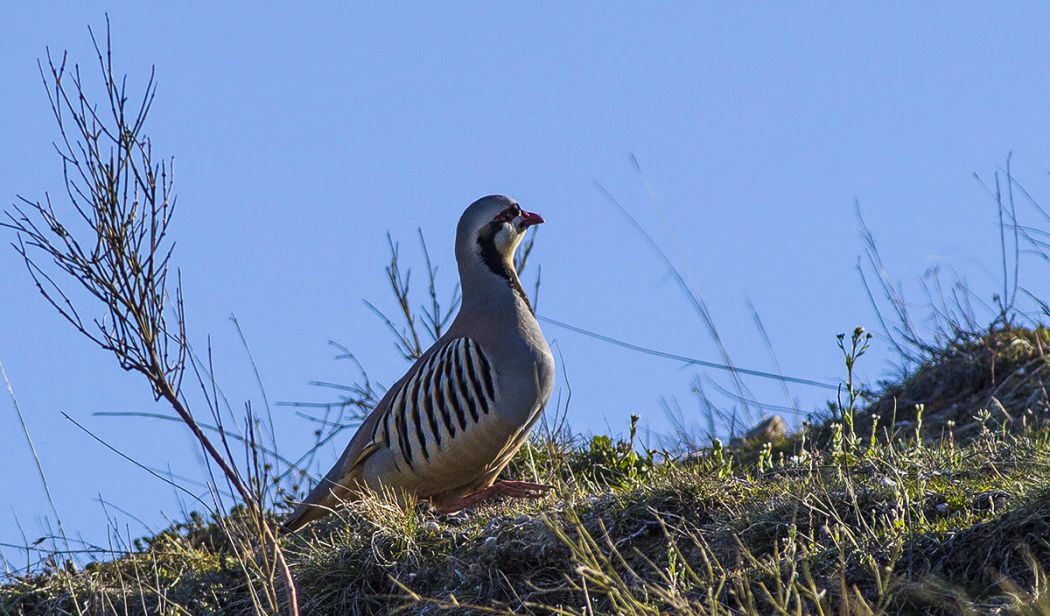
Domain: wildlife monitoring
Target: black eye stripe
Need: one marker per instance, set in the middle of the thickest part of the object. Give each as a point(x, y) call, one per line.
point(508, 214)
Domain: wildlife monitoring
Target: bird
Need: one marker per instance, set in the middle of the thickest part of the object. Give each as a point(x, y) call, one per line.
point(449, 426)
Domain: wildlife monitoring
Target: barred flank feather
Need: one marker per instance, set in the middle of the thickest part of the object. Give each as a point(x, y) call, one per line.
point(453, 388)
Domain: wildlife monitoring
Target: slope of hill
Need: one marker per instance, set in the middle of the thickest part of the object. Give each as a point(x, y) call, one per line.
point(937, 502)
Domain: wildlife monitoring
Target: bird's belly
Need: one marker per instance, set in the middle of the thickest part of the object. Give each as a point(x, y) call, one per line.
point(460, 461)
point(468, 457)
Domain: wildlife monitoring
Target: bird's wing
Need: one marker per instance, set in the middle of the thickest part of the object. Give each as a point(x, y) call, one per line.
point(332, 488)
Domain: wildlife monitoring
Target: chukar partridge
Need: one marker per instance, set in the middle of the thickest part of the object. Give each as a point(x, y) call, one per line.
point(447, 428)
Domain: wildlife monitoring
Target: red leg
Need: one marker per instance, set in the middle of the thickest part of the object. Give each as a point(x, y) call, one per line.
point(514, 489)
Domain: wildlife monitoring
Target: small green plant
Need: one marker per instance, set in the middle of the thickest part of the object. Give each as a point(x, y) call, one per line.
point(614, 462)
point(723, 462)
point(765, 458)
point(858, 345)
point(838, 450)
point(919, 410)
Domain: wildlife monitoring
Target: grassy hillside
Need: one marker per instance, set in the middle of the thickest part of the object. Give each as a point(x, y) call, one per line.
point(937, 501)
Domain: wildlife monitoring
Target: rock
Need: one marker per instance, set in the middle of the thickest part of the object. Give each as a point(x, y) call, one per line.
point(990, 499)
point(768, 430)
point(493, 525)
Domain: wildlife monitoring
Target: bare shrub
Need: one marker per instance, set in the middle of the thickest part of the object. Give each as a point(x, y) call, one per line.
point(106, 252)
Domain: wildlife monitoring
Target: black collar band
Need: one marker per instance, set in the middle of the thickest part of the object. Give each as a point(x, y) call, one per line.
point(495, 261)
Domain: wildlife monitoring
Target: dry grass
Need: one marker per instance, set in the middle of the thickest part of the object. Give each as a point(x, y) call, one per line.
point(898, 525)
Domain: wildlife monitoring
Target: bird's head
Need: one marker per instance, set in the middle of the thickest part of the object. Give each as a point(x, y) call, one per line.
point(491, 229)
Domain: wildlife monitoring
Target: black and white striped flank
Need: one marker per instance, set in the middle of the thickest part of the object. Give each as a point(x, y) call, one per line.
point(452, 390)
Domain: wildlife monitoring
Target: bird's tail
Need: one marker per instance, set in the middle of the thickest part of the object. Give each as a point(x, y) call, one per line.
point(341, 482)
point(324, 498)
point(304, 514)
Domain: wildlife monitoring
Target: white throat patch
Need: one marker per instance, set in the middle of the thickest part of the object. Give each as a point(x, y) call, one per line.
point(507, 238)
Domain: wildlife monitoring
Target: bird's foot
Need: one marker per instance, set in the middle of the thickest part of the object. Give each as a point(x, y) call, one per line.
point(514, 489)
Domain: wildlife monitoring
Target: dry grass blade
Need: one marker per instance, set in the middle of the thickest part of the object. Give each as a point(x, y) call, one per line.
point(36, 456)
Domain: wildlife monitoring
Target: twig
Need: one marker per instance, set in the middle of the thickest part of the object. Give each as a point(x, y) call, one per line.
point(684, 359)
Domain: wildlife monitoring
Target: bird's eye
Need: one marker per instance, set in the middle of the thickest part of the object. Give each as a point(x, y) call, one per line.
point(508, 214)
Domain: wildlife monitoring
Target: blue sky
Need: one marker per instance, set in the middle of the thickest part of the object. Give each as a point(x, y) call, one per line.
point(302, 137)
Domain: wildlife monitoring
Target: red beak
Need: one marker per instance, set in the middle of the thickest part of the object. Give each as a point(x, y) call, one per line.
point(530, 218)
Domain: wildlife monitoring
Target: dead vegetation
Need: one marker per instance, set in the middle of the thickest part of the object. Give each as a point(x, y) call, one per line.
point(912, 521)
point(1002, 372)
